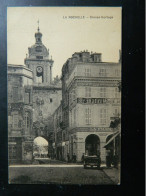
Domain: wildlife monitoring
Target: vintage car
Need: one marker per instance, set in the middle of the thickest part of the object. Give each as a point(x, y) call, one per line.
point(92, 161)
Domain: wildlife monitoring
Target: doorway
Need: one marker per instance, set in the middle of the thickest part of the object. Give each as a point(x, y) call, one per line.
point(92, 145)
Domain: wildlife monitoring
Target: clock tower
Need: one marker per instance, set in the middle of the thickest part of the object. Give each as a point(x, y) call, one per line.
point(39, 62)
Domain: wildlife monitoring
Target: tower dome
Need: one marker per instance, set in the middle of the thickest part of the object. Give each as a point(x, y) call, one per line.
point(38, 61)
point(38, 36)
point(38, 50)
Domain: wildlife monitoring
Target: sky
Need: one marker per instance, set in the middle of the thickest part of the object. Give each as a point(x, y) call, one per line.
point(99, 31)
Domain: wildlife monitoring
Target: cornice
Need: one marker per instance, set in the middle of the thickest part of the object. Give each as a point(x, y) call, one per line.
point(100, 80)
point(19, 66)
point(90, 129)
point(20, 74)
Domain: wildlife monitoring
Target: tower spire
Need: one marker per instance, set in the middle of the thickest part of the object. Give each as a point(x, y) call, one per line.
point(38, 35)
point(38, 26)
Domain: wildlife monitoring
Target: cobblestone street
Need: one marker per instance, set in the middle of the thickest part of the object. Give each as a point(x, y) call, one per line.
point(60, 173)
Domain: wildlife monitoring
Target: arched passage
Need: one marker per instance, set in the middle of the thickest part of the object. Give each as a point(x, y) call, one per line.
point(40, 147)
point(92, 145)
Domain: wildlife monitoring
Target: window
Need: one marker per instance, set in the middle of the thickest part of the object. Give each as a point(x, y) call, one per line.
point(27, 120)
point(12, 151)
point(63, 136)
point(10, 120)
point(15, 121)
point(102, 92)
point(38, 39)
point(116, 112)
point(117, 72)
point(87, 72)
point(51, 100)
point(102, 72)
point(87, 91)
point(65, 119)
point(116, 92)
point(87, 116)
point(103, 114)
point(70, 97)
point(74, 116)
point(71, 118)
point(15, 93)
point(39, 57)
point(27, 97)
point(38, 49)
point(73, 94)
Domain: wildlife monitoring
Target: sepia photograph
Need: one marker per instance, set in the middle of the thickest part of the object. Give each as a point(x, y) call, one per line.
point(64, 67)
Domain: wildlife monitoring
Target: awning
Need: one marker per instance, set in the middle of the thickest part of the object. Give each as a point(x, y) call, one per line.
point(115, 135)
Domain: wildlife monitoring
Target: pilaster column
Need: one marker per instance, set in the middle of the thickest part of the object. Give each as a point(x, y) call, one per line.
point(102, 151)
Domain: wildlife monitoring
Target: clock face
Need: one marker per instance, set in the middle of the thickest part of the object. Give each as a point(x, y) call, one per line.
point(39, 69)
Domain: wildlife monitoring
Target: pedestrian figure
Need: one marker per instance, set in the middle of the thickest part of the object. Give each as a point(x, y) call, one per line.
point(108, 158)
point(74, 158)
point(99, 160)
point(82, 159)
point(68, 158)
point(54, 156)
point(115, 160)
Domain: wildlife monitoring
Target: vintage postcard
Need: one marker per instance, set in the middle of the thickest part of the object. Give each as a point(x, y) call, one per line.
point(64, 95)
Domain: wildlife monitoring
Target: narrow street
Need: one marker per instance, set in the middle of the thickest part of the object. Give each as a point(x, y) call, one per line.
point(57, 172)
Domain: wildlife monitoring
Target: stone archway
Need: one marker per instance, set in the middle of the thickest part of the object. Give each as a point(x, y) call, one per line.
point(40, 147)
point(92, 145)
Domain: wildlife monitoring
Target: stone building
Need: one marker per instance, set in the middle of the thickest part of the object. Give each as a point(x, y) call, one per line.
point(36, 97)
point(20, 113)
point(57, 135)
point(46, 94)
point(90, 101)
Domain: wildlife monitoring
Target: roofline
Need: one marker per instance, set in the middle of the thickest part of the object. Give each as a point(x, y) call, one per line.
point(19, 66)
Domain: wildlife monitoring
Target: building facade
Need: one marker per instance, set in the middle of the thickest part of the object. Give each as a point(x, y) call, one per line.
point(20, 113)
point(91, 99)
point(58, 134)
point(32, 99)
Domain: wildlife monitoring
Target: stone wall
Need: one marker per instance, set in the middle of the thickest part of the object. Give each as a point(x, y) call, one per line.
point(45, 102)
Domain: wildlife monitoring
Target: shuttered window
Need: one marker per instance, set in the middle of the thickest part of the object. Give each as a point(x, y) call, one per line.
point(103, 92)
point(102, 72)
point(27, 120)
point(103, 116)
point(87, 116)
point(87, 91)
point(87, 72)
point(116, 92)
